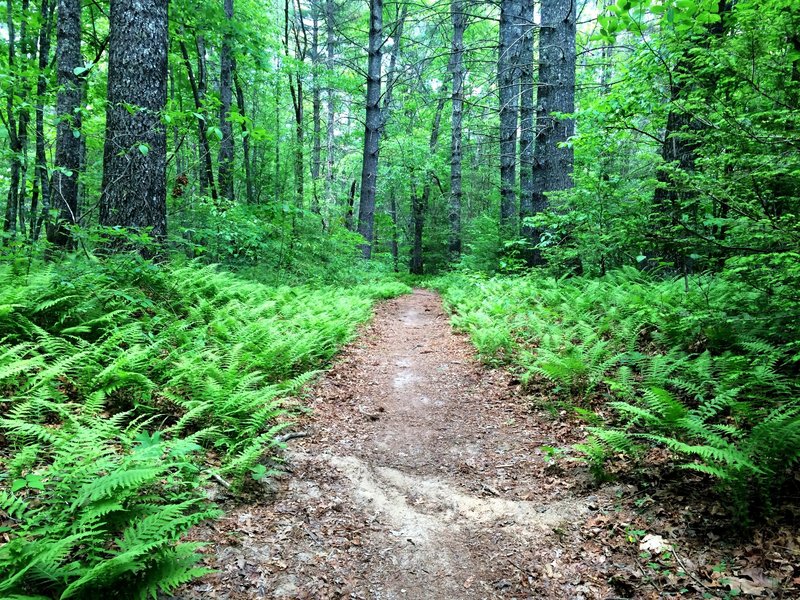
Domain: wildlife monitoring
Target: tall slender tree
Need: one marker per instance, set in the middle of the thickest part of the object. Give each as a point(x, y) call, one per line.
point(508, 82)
point(198, 84)
point(246, 154)
point(553, 157)
point(41, 187)
point(64, 187)
point(372, 128)
point(135, 151)
point(330, 47)
point(457, 72)
point(226, 148)
point(316, 110)
point(526, 116)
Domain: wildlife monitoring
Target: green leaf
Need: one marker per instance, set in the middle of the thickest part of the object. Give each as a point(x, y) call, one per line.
point(35, 482)
point(144, 149)
point(19, 484)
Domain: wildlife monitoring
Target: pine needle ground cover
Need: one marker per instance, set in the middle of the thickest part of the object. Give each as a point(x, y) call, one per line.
point(124, 385)
point(690, 366)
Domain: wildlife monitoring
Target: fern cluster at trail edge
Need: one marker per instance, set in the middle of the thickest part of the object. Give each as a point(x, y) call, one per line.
point(116, 380)
point(690, 369)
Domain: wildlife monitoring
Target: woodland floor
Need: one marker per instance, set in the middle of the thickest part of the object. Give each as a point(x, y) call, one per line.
point(424, 477)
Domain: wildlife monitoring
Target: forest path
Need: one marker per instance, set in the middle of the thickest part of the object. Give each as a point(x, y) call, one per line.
point(422, 477)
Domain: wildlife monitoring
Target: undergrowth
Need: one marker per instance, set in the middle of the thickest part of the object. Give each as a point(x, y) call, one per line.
point(124, 385)
point(694, 369)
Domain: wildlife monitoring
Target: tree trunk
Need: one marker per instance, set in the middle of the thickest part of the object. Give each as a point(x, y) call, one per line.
point(198, 94)
point(372, 128)
point(419, 205)
point(459, 22)
point(394, 244)
point(552, 158)
point(351, 201)
point(526, 112)
point(316, 94)
point(225, 161)
point(64, 187)
point(134, 160)
point(417, 266)
point(330, 41)
point(10, 221)
point(296, 89)
point(248, 165)
point(42, 184)
point(507, 77)
point(391, 73)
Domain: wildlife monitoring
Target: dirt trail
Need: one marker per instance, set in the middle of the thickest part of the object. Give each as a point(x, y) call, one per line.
point(422, 477)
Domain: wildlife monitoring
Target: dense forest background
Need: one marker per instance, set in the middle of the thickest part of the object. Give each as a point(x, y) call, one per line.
point(608, 194)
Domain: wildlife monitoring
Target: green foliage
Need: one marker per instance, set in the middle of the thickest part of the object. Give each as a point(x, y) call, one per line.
point(691, 370)
point(116, 378)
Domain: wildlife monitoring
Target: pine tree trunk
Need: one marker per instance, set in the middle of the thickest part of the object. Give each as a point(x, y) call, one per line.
point(459, 22)
point(64, 186)
point(552, 159)
point(330, 42)
point(372, 128)
point(135, 152)
point(508, 80)
point(526, 113)
point(225, 160)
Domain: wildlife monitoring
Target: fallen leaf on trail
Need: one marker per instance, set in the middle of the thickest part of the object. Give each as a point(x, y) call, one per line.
point(653, 543)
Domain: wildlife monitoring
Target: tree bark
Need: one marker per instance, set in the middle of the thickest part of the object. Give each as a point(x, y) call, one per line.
point(394, 244)
point(372, 129)
point(64, 186)
point(330, 10)
point(552, 158)
point(508, 80)
point(42, 183)
point(296, 89)
point(134, 159)
point(419, 205)
point(225, 159)
point(526, 113)
point(316, 95)
point(459, 22)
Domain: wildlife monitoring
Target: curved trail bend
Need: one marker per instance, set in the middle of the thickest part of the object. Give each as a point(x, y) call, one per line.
point(422, 478)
